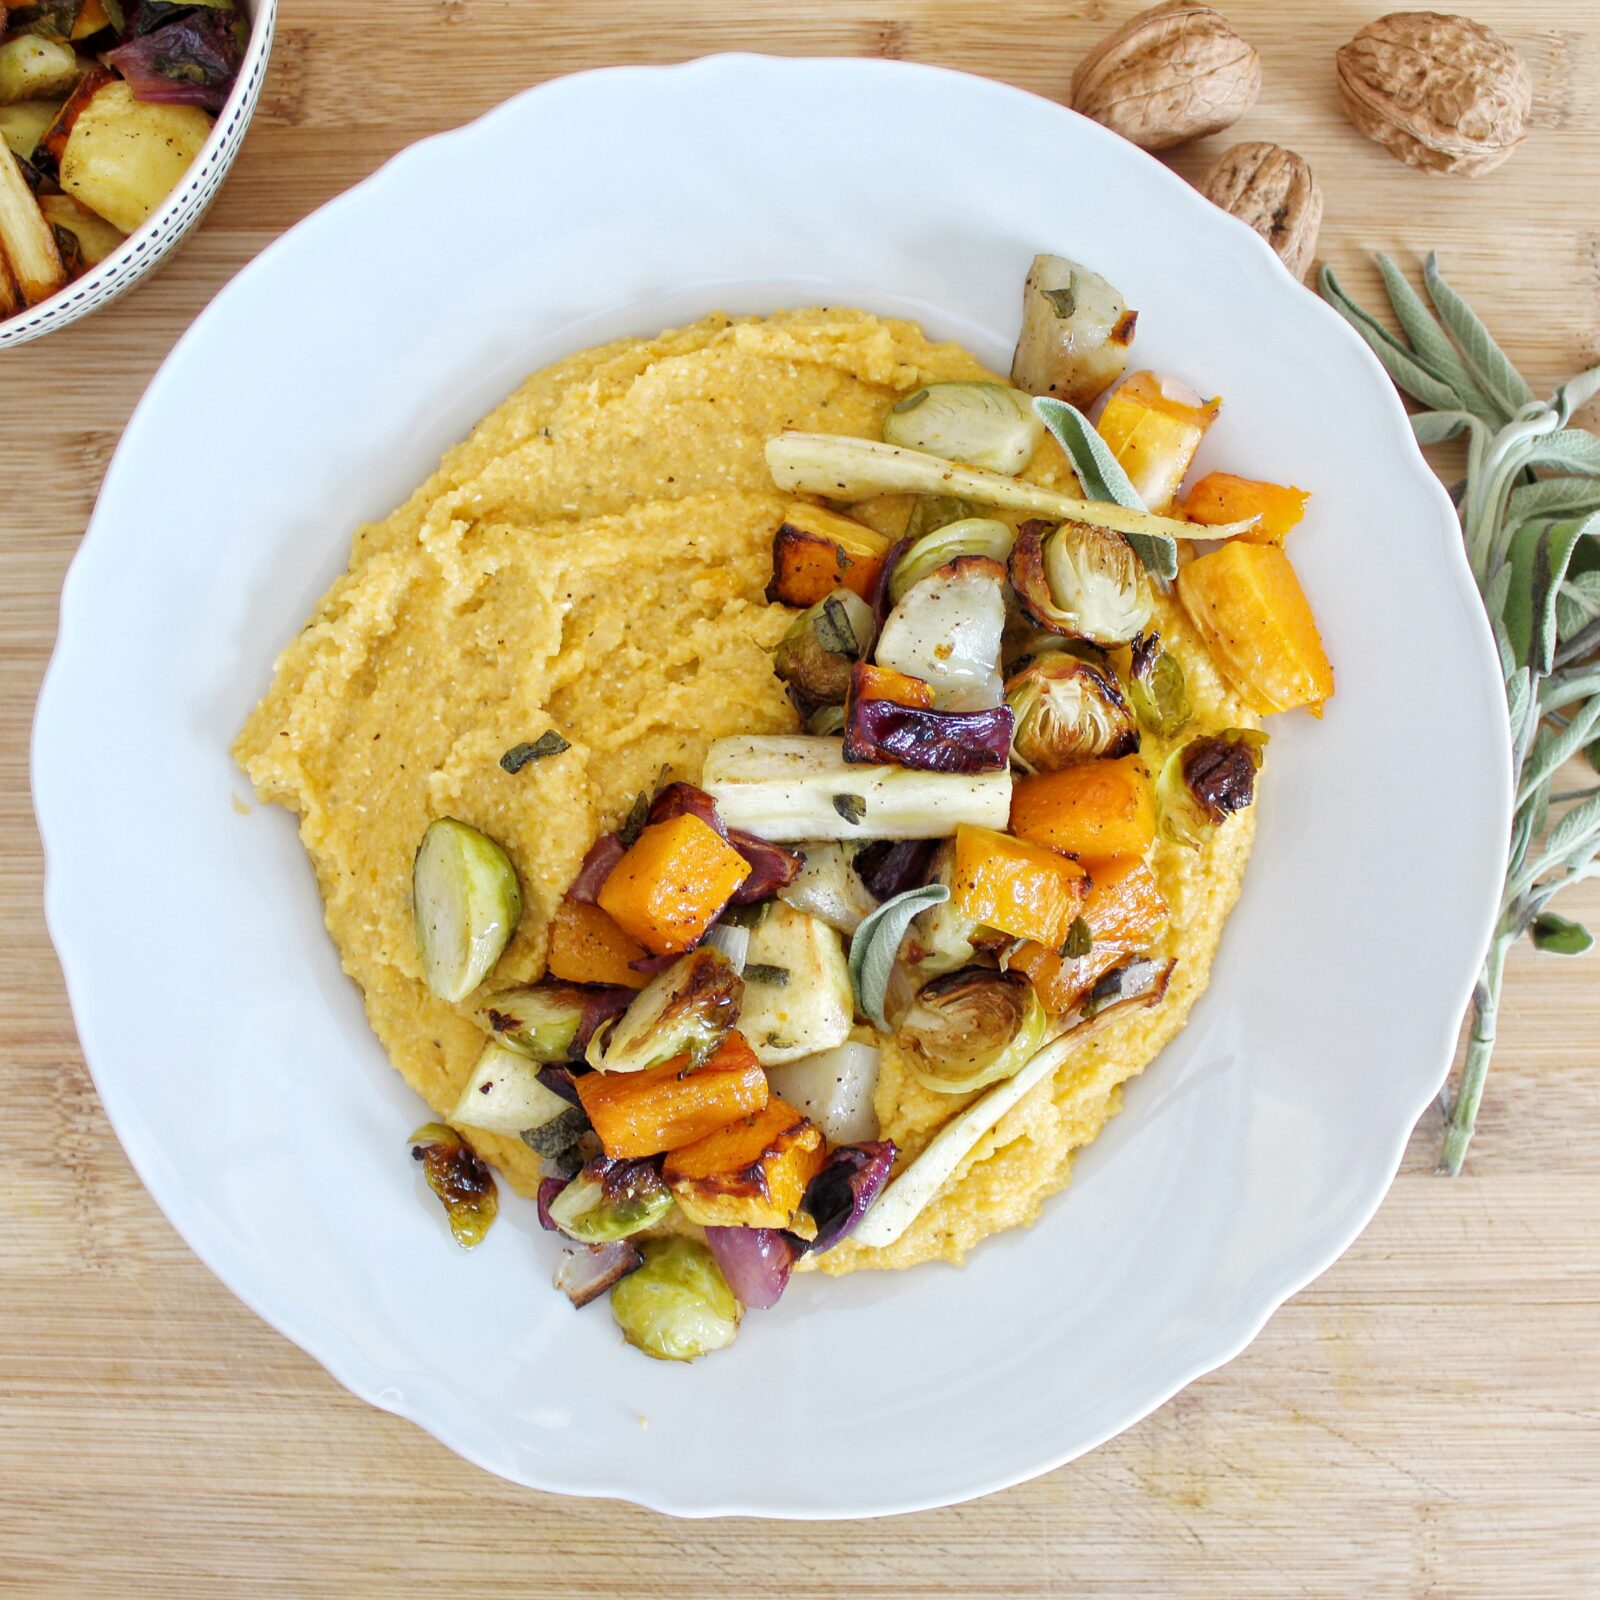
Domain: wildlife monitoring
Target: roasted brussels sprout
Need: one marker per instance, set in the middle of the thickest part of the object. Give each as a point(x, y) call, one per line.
point(971, 1028)
point(677, 1305)
point(970, 536)
point(984, 424)
point(1076, 330)
point(1081, 581)
point(462, 1182)
point(1205, 781)
point(815, 656)
point(1157, 687)
point(465, 903)
point(932, 511)
point(685, 1010)
point(540, 1021)
point(1067, 710)
point(611, 1200)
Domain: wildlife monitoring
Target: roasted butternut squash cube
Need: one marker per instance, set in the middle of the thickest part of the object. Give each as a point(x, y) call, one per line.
point(816, 550)
point(666, 1107)
point(752, 1174)
point(1247, 605)
point(1094, 811)
point(1225, 497)
point(1154, 426)
point(672, 883)
point(1014, 886)
point(884, 683)
point(586, 946)
point(1125, 910)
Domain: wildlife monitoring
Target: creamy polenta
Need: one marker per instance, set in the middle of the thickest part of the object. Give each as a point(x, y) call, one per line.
point(592, 560)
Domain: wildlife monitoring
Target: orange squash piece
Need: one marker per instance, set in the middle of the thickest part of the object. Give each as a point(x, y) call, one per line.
point(815, 550)
point(586, 946)
point(1247, 605)
point(1225, 497)
point(752, 1174)
point(1093, 811)
point(1016, 887)
point(665, 1107)
point(1125, 911)
point(672, 883)
point(1154, 434)
point(884, 683)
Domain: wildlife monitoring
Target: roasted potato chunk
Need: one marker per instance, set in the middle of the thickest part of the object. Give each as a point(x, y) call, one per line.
point(123, 156)
point(751, 1174)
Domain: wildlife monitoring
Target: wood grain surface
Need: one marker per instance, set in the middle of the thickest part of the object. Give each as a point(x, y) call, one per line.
point(1423, 1421)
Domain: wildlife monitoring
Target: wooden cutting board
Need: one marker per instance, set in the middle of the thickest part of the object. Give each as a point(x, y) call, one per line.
point(1423, 1421)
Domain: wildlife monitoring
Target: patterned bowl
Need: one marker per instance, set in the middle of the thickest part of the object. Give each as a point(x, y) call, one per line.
point(176, 215)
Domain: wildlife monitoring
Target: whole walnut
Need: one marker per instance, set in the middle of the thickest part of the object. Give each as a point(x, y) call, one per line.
point(1442, 93)
point(1273, 190)
point(1170, 74)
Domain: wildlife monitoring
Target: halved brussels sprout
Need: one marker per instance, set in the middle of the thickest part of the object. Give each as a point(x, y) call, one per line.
point(932, 511)
point(970, 536)
point(946, 630)
point(685, 1010)
point(611, 1200)
point(462, 1182)
point(540, 1021)
point(1081, 580)
point(1205, 781)
point(815, 656)
point(1157, 687)
point(1076, 330)
point(972, 1028)
point(984, 424)
point(826, 719)
point(1067, 710)
point(677, 1305)
point(465, 903)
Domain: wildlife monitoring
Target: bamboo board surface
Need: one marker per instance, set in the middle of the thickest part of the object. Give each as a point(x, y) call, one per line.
point(1423, 1421)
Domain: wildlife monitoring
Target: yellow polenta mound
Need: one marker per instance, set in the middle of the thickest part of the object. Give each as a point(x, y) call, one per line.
point(593, 559)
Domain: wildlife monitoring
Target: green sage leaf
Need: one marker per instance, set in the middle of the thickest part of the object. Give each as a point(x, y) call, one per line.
point(1577, 603)
point(1575, 393)
point(877, 942)
point(1434, 427)
point(1397, 360)
point(1431, 348)
point(1489, 363)
point(1570, 450)
point(1102, 478)
point(1577, 827)
point(549, 743)
point(1538, 560)
point(1551, 497)
point(761, 972)
point(1559, 936)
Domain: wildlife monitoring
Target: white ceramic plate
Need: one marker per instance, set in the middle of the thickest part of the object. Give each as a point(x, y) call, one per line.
point(233, 1057)
point(150, 244)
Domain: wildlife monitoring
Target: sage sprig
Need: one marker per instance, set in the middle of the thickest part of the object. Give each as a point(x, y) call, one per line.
point(876, 943)
point(1530, 516)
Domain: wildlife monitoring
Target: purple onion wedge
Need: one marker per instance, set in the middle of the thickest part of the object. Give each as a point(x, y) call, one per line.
point(880, 731)
point(600, 1005)
point(549, 1188)
point(891, 866)
point(603, 855)
point(586, 1273)
point(843, 1191)
point(190, 61)
point(771, 867)
point(755, 1261)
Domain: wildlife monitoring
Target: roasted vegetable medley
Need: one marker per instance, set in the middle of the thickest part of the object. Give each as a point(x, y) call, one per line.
point(103, 106)
point(953, 862)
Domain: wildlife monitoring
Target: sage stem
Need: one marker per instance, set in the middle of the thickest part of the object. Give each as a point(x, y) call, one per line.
point(1480, 1047)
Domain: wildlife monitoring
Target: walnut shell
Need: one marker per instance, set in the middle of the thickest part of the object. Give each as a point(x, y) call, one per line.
point(1445, 94)
point(1173, 73)
point(1273, 190)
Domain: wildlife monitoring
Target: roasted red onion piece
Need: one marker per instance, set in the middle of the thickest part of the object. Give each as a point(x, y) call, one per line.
point(603, 855)
point(190, 61)
point(599, 1007)
point(585, 1274)
point(843, 1191)
point(880, 598)
point(891, 866)
point(680, 799)
point(930, 741)
point(549, 1188)
point(558, 1080)
point(771, 867)
point(755, 1261)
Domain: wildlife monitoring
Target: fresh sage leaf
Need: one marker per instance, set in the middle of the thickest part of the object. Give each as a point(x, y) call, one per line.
point(876, 943)
point(1552, 497)
point(1569, 450)
point(1434, 427)
point(547, 744)
point(1101, 476)
point(1431, 348)
point(1396, 359)
point(1489, 363)
point(1539, 555)
point(1576, 393)
point(1559, 936)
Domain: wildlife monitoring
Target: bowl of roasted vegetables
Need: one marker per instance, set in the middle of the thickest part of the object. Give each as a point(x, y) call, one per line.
point(118, 121)
point(888, 691)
